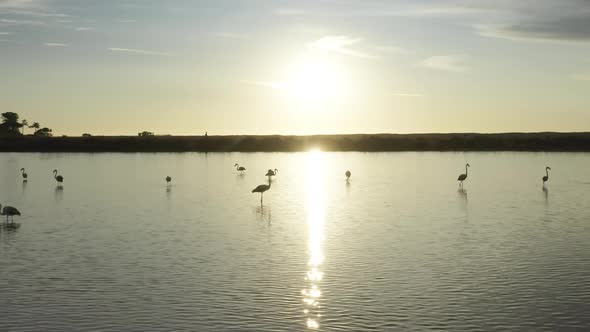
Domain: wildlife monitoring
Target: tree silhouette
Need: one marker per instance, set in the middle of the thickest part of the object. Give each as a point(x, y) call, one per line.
point(43, 132)
point(25, 124)
point(10, 124)
point(35, 125)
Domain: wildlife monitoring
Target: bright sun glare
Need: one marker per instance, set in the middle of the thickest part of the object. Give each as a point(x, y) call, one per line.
point(315, 82)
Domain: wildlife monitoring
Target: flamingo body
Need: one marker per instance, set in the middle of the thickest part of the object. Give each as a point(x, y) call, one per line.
point(546, 177)
point(57, 177)
point(348, 174)
point(240, 168)
point(24, 174)
point(463, 177)
point(261, 189)
point(168, 179)
point(9, 211)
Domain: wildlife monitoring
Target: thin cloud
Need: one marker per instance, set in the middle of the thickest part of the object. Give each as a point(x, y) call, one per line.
point(403, 94)
point(289, 11)
point(55, 44)
point(138, 51)
point(580, 77)
point(36, 13)
point(18, 3)
point(228, 35)
point(83, 29)
point(339, 45)
point(266, 84)
point(4, 33)
point(452, 63)
point(6, 22)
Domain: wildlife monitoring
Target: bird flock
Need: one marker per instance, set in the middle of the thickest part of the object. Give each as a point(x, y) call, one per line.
point(9, 211)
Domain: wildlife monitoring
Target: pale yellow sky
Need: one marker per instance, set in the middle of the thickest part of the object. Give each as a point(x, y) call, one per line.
point(296, 67)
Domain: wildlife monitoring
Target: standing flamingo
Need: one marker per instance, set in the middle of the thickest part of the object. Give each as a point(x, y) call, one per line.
point(9, 211)
point(271, 173)
point(240, 168)
point(261, 189)
point(57, 177)
point(348, 174)
point(24, 174)
point(462, 177)
point(168, 179)
point(546, 177)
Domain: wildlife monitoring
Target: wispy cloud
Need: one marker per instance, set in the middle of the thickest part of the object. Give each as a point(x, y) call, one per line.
point(55, 44)
point(289, 11)
point(83, 28)
point(405, 94)
point(544, 20)
point(4, 33)
point(339, 45)
point(6, 22)
point(229, 35)
point(37, 13)
point(266, 84)
point(137, 51)
point(453, 63)
point(19, 3)
point(581, 77)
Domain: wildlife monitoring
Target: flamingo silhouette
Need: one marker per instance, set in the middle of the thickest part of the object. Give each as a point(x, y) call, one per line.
point(9, 211)
point(57, 177)
point(271, 173)
point(546, 177)
point(168, 179)
point(348, 174)
point(24, 174)
point(261, 189)
point(240, 168)
point(462, 177)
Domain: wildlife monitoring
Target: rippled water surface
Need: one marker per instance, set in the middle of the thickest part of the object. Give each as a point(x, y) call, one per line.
point(399, 247)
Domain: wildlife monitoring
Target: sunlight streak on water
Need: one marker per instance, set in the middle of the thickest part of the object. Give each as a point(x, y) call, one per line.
point(315, 174)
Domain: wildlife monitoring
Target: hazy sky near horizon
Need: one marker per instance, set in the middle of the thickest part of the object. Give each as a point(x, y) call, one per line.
point(296, 67)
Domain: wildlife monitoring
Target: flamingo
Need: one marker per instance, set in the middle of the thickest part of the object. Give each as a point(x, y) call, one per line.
point(168, 179)
point(9, 211)
point(546, 177)
point(271, 173)
point(58, 178)
point(24, 174)
point(462, 177)
point(261, 189)
point(348, 174)
point(240, 168)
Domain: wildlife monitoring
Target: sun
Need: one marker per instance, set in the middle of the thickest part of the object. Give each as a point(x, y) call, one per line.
point(315, 82)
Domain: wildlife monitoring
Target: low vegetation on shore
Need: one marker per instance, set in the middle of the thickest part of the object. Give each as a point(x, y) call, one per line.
point(272, 143)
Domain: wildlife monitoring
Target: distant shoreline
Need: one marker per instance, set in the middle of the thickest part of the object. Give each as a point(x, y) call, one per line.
point(548, 141)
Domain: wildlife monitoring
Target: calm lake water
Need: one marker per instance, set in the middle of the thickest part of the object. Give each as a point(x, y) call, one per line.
point(398, 248)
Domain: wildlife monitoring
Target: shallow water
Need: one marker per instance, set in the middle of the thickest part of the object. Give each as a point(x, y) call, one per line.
point(399, 247)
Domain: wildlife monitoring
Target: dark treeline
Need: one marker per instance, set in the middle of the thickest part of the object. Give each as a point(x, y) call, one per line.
point(369, 142)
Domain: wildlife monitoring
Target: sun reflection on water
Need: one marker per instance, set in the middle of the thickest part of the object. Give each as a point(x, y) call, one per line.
point(315, 227)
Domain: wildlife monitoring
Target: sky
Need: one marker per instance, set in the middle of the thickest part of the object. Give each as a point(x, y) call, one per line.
point(296, 67)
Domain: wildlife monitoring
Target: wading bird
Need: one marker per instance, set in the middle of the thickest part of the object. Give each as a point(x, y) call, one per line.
point(24, 174)
point(261, 189)
point(57, 178)
point(271, 173)
point(168, 179)
point(240, 168)
point(462, 177)
point(546, 177)
point(348, 174)
point(9, 211)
